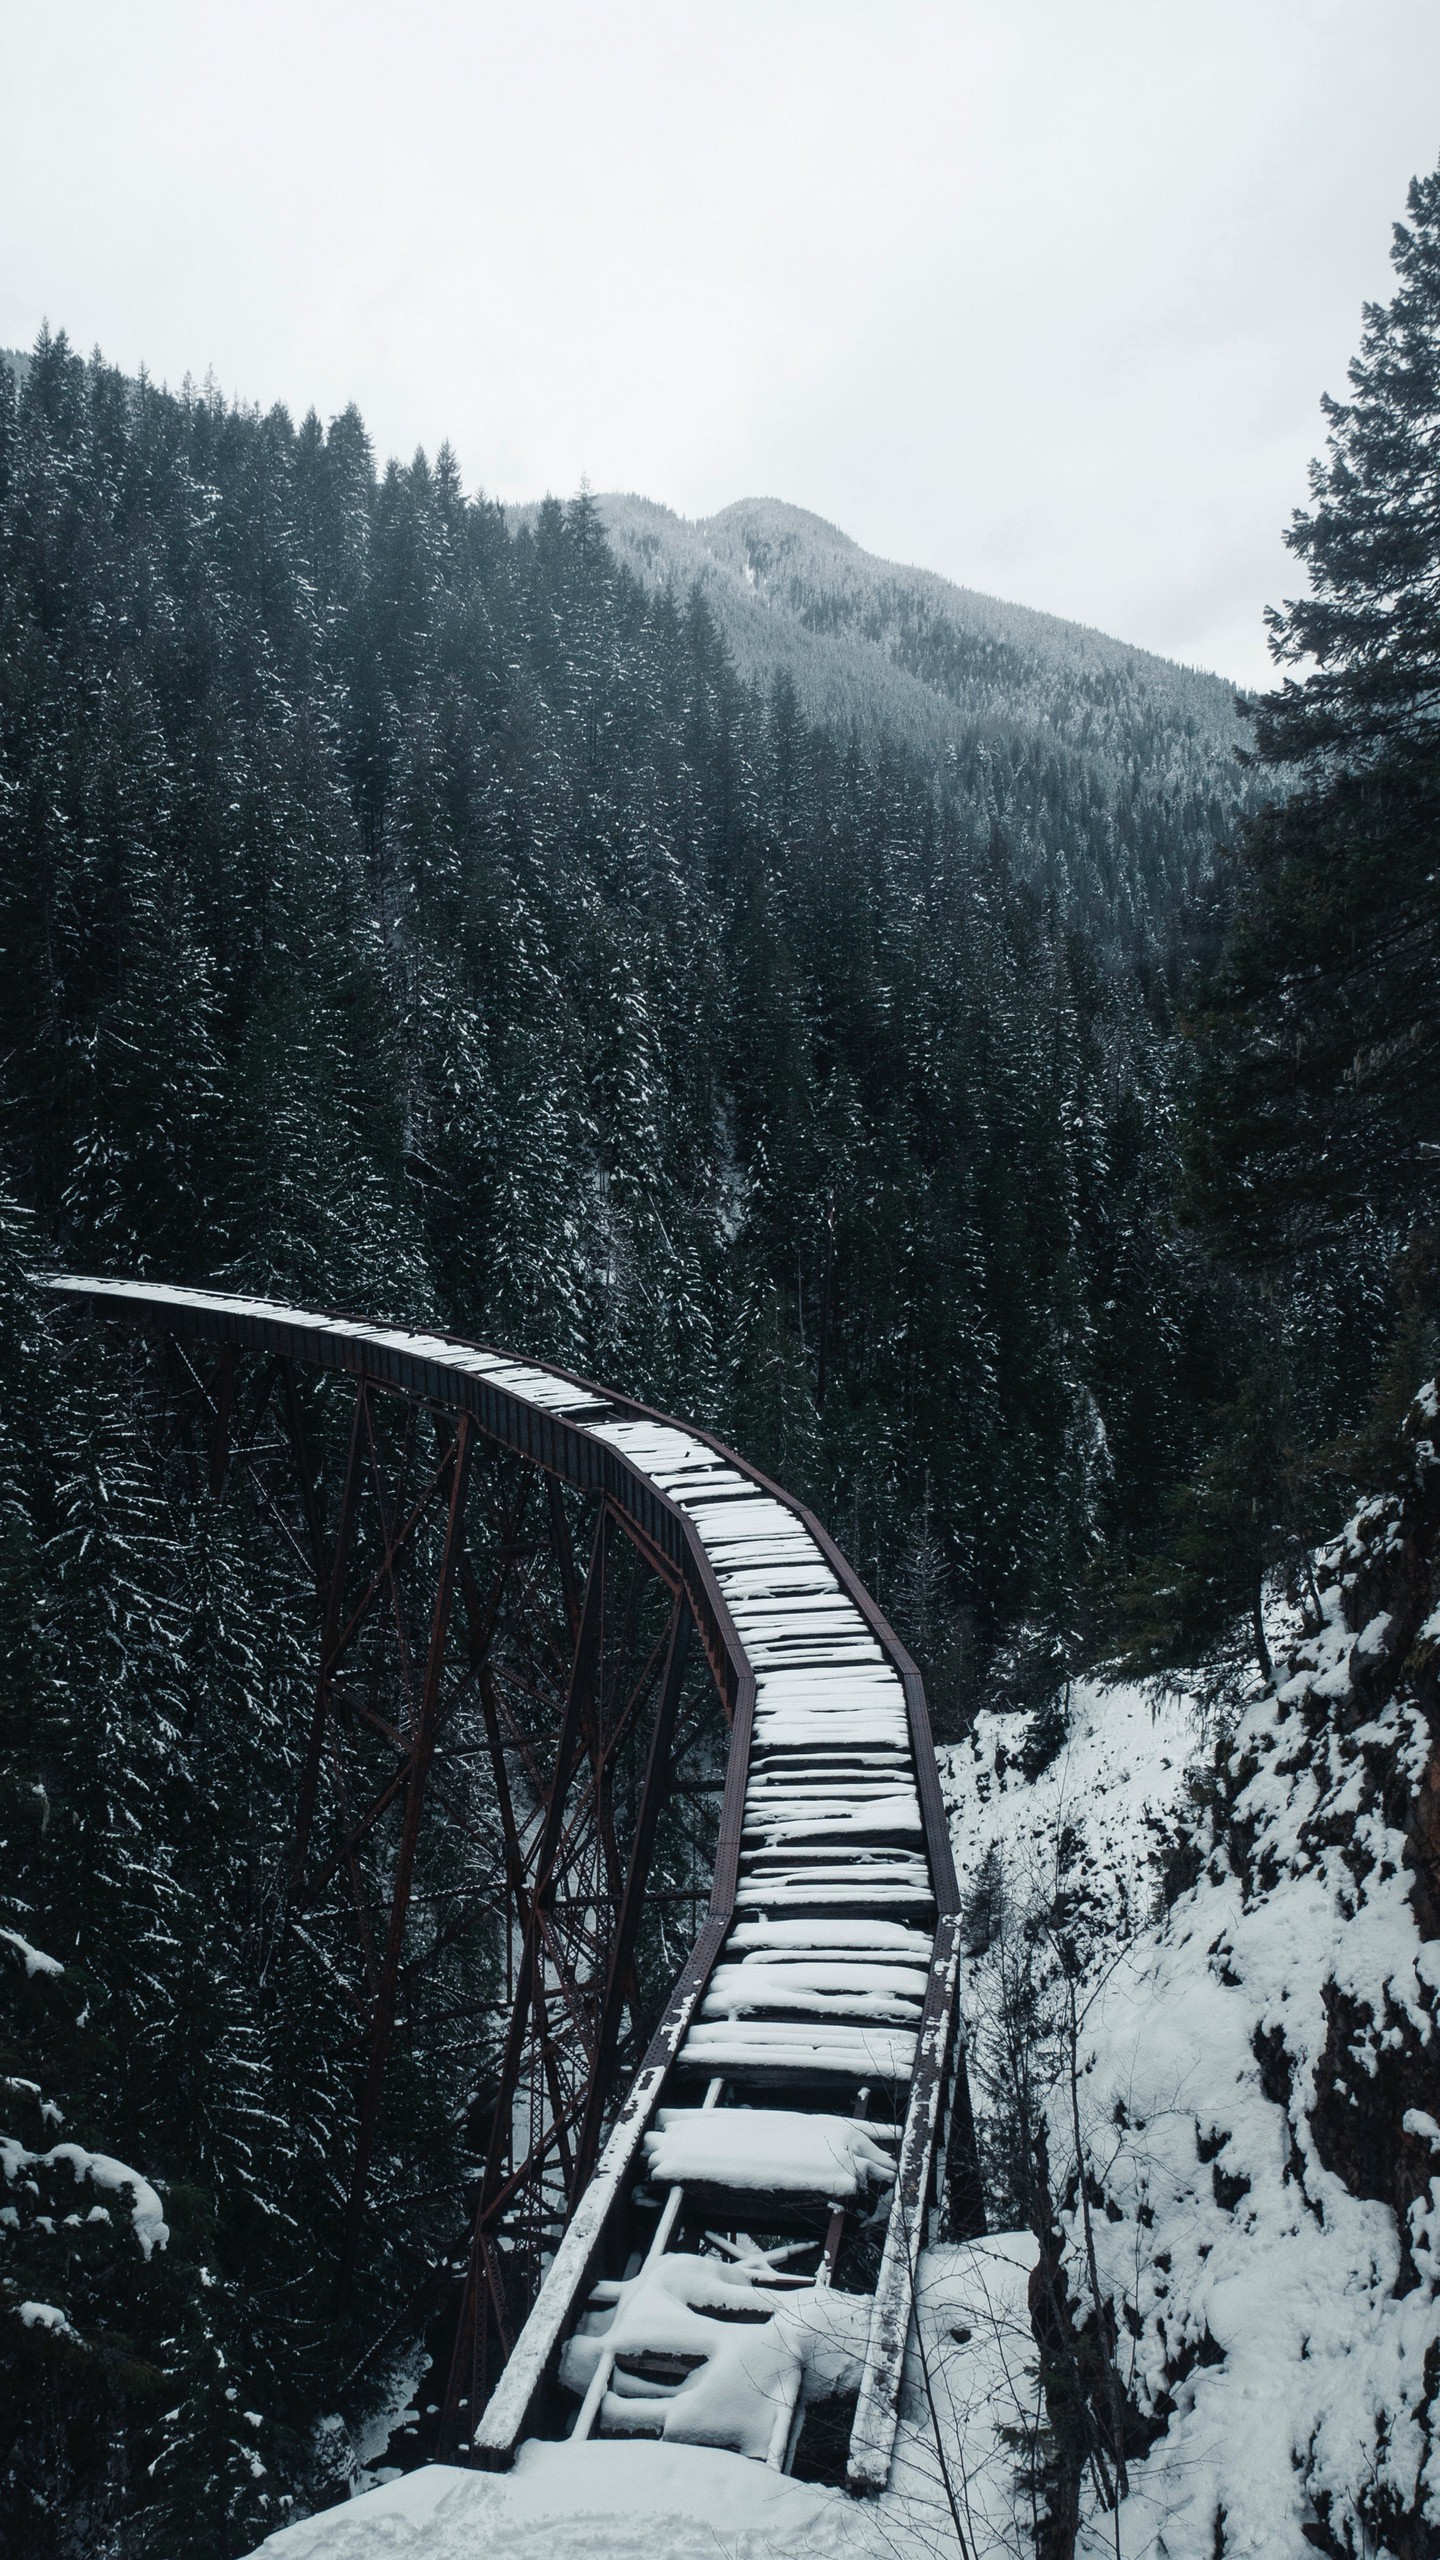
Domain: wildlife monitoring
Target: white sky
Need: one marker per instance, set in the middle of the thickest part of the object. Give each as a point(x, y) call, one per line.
point(1040, 293)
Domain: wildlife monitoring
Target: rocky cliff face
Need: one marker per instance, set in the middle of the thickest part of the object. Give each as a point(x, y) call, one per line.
point(1238, 2298)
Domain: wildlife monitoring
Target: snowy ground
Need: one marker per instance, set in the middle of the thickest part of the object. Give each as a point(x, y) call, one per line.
point(1107, 1796)
point(1279, 2320)
point(646, 2501)
point(603, 2501)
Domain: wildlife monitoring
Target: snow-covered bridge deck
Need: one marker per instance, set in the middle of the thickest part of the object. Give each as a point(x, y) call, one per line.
point(807, 2050)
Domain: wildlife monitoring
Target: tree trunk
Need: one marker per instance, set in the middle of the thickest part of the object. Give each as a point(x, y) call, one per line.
point(1262, 1650)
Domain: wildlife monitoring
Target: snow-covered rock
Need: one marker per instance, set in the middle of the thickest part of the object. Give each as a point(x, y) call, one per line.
point(1104, 1805)
point(1256, 2091)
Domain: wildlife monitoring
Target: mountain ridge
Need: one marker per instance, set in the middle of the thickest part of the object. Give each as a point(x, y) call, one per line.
point(922, 657)
point(738, 510)
point(1111, 775)
point(622, 510)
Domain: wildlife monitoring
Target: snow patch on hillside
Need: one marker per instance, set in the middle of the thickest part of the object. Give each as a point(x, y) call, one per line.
point(1254, 2070)
point(1263, 2211)
point(1106, 1803)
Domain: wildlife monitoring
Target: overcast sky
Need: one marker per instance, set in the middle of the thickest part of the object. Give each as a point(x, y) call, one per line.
point(1040, 293)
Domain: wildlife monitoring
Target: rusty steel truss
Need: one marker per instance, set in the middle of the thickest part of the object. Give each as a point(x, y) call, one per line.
point(518, 1804)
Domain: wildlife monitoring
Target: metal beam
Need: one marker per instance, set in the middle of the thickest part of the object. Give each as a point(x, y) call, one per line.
point(320, 1719)
point(569, 1748)
point(627, 1922)
point(422, 1750)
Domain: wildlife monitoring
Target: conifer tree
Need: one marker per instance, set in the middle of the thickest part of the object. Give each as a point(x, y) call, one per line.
point(1314, 1114)
point(1320, 1106)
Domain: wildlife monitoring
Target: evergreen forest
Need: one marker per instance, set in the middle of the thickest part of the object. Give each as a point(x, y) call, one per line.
point(1024, 1153)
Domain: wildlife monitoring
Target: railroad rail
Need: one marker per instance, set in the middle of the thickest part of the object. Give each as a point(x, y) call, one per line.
point(702, 2191)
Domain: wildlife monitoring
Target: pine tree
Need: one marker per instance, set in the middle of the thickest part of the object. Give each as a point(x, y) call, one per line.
point(1320, 1104)
point(1313, 1116)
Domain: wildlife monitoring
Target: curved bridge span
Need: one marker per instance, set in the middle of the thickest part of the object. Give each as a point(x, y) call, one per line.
point(708, 1963)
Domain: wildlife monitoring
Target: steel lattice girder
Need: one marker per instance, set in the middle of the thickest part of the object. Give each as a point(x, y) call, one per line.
point(573, 1979)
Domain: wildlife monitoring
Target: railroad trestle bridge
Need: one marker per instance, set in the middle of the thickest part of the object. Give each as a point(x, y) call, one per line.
point(611, 1756)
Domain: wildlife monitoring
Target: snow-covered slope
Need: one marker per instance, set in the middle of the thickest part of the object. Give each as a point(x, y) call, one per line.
point(1258, 2104)
point(891, 650)
point(1100, 1812)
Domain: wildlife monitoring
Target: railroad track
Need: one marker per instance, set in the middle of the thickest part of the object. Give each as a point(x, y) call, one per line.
point(729, 2230)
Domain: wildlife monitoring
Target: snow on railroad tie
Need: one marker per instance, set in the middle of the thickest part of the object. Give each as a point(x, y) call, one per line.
point(770, 2150)
point(766, 2048)
point(692, 2350)
point(778, 1885)
point(824, 1989)
point(793, 1817)
point(879, 1937)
